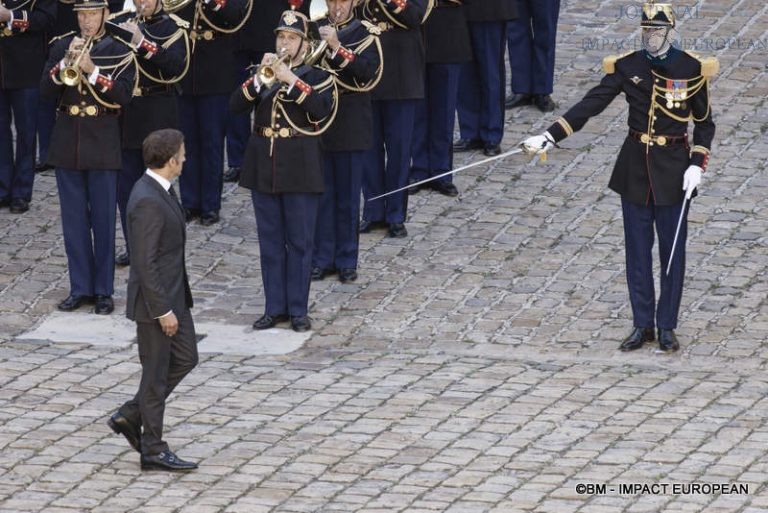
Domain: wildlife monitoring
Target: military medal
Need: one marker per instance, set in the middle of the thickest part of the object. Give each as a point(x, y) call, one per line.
point(677, 91)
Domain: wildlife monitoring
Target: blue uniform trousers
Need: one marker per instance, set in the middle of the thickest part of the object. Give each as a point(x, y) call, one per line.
point(639, 222)
point(336, 235)
point(133, 169)
point(285, 224)
point(531, 40)
point(481, 88)
point(432, 149)
point(88, 221)
point(392, 135)
point(239, 126)
point(17, 174)
point(203, 120)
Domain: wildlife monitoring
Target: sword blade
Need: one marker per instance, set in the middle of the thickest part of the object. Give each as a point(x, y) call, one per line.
point(677, 233)
point(468, 166)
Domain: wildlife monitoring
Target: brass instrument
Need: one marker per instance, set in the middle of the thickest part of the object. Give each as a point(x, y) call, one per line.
point(70, 74)
point(266, 72)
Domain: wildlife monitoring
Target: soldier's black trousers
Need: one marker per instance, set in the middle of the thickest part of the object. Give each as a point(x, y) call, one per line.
point(639, 223)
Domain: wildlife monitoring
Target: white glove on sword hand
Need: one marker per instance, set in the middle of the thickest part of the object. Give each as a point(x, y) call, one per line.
point(538, 144)
point(691, 180)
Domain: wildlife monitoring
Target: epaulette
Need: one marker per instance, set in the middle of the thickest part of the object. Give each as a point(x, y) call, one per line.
point(709, 65)
point(62, 36)
point(179, 21)
point(372, 29)
point(609, 62)
point(117, 14)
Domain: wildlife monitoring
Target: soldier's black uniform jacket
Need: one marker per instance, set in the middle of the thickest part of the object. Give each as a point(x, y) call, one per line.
point(258, 34)
point(491, 10)
point(656, 153)
point(87, 130)
point(279, 157)
point(446, 34)
point(23, 45)
point(401, 39)
point(358, 67)
point(212, 28)
point(162, 59)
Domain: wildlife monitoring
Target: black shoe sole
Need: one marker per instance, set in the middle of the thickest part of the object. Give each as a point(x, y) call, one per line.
point(116, 429)
point(153, 466)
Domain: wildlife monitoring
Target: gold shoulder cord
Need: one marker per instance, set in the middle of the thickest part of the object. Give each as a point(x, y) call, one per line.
point(698, 83)
point(326, 122)
point(169, 40)
point(199, 11)
point(356, 86)
point(123, 65)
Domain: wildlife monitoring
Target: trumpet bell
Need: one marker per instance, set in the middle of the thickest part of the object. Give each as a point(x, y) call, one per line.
point(70, 76)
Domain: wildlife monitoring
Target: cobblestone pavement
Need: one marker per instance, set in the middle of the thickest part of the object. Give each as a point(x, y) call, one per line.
point(472, 368)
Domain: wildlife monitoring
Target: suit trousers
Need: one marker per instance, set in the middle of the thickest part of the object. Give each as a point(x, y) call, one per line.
point(17, 173)
point(165, 361)
point(639, 222)
point(133, 169)
point(338, 218)
point(88, 201)
point(432, 148)
point(285, 223)
point(203, 120)
point(387, 163)
point(531, 41)
point(481, 88)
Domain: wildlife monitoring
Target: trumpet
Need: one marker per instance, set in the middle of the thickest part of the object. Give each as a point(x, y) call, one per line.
point(266, 72)
point(70, 74)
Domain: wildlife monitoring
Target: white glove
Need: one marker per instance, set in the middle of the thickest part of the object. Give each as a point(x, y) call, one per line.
point(538, 144)
point(691, 180)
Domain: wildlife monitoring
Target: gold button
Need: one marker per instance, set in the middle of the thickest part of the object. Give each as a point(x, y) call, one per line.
point(661, 140)
point(277, 125)
point(284, 132)
point(208, 35)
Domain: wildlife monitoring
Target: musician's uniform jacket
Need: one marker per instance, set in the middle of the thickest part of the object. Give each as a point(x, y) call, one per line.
point(358, 66)
point(23, 45)
point(279, 158)
point(212, 28)
point(162, 59)
point(87, 131)
point(447, 34)
point(403, 48)
point(656, 152)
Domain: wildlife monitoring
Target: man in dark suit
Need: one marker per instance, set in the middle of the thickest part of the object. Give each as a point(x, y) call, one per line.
point(159, 300)
point(481, 88)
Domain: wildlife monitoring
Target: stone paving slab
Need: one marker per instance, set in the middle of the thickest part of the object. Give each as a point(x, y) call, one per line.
point(471, 368)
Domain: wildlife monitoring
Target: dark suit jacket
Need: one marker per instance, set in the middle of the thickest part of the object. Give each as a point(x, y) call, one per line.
point(158, 279)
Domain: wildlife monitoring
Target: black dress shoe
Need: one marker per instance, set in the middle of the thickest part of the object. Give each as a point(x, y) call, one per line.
point(318, 273)
point(120, 424)
point(467, 145)
point(73, 302)
point(397, 230)
point(415, 190)
point(209, 218)
point(166, 460)
point(123, 259)
point(668, 341)
point(544, 102)
point(347, 275)
point(4, 202)
point(444, 188)
point(19, 205)
point(518, 100)
point(268, 321)
point(190, 214)
point(232, 174)
point(368, 226)
point(104, 305)
point(491, 150)
point(301, 323)
point(42, 166)
point(637, 338)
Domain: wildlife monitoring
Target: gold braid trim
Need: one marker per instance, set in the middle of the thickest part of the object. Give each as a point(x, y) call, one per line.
point(187, 57)
point(364, 88)
point(199, 9)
